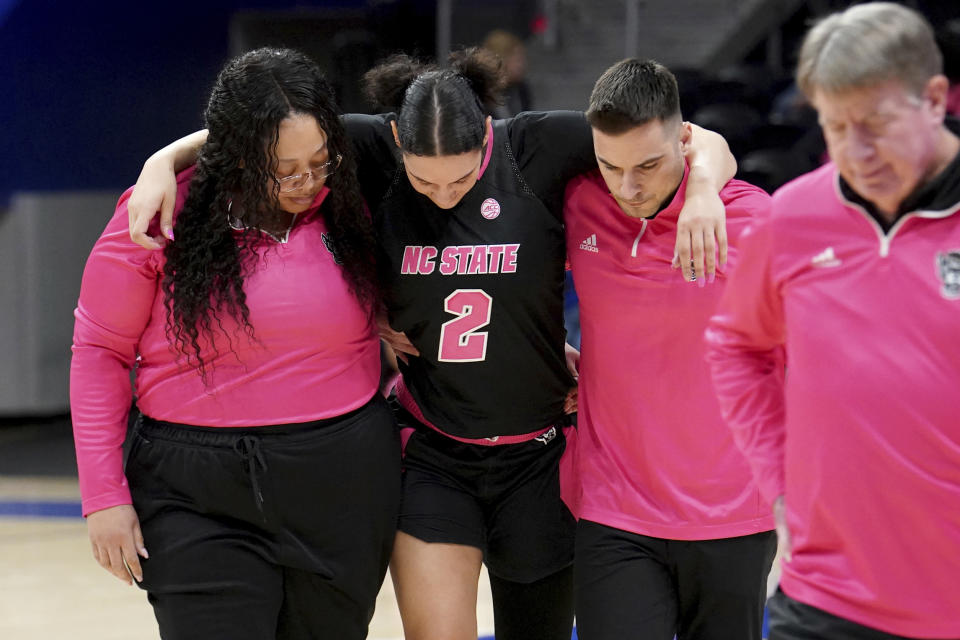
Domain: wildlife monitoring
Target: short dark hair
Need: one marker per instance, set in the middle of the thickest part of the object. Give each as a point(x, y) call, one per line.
point(632, 93)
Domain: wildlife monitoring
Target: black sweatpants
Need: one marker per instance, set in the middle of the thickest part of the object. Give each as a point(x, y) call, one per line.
point(793, 620)
point(628, 585)
point(282, 531)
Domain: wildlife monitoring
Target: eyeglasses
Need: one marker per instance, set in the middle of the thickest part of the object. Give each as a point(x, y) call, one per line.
point(294, 182)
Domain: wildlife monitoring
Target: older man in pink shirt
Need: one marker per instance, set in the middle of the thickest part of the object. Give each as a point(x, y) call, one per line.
point(857, 274)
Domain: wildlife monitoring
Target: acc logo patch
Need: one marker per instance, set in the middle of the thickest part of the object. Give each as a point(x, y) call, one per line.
point(490, 209)
point(948, 268)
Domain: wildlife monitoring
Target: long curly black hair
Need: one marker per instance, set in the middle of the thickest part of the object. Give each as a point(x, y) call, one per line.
point(235, 177)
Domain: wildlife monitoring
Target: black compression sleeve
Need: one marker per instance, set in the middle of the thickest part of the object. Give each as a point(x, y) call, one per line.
point(551, 148)
point(375, 153)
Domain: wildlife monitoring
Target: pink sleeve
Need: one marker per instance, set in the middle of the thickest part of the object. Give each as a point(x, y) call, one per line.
point(745, 351)
point(120, 282)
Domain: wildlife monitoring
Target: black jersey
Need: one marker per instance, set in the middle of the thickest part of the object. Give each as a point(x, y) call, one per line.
point(478, 288)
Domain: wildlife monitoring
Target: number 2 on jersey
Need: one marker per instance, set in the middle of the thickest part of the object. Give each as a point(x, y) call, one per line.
point(459, 339)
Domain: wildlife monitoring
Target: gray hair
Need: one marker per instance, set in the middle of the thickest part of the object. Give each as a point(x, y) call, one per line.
point(867, 45)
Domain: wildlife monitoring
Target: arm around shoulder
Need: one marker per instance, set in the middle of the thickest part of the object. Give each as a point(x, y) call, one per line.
point(156, 189)
point(701, 229)
point(712, 165)
point(558, 144)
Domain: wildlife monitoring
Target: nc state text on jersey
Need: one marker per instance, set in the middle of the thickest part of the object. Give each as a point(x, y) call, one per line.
point(470, 259)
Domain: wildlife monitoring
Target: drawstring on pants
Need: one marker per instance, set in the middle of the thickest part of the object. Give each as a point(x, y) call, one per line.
point(248, 447)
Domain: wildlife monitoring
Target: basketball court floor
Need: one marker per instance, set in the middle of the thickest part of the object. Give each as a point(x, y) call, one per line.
point(50, 585)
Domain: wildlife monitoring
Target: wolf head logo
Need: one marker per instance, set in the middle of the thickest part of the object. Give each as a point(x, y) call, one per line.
point(948, 266)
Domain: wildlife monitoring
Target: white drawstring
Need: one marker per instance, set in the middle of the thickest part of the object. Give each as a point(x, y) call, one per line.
point(636, 242)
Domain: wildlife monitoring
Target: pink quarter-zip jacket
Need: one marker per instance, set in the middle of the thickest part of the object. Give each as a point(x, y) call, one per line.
point(862, 437)
point(314, 353)
point(652, 454)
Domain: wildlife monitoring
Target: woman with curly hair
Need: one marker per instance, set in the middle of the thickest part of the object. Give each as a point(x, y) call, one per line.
point(264, 472)
point(468, 216)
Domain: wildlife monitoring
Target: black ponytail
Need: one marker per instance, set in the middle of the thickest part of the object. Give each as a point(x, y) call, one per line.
point(483, 69)
point(385, 85)
point(440, 111)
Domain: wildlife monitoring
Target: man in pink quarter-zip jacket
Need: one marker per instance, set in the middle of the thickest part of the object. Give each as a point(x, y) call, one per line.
point(856, 273)
point(673, 537)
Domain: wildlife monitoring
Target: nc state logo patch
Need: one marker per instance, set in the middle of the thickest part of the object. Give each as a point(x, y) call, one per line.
point(490, 209)
point(948, 267)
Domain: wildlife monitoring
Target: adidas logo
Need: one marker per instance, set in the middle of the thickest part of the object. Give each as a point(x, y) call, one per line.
point(590, 244)
point(826, 258)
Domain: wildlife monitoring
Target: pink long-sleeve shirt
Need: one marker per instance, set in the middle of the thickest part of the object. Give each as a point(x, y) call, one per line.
point(863, 436)
point(315, 354)
point(653, 455)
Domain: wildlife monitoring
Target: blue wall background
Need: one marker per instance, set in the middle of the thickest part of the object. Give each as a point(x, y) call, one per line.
point(90, 89)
